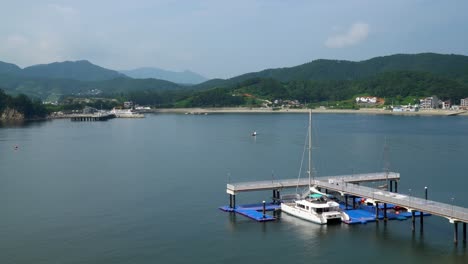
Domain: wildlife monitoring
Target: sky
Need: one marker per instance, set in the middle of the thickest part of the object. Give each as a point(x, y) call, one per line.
point(222, 39)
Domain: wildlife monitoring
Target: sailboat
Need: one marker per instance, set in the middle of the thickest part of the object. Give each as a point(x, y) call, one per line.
point(314, 206)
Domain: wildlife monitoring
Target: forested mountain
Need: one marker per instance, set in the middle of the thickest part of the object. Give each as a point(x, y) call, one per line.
point(77, 70)
point(185, 77)
point(44, 87)
point(386, 85)
point(395, 76)
point(9, 68)
point(452, 66)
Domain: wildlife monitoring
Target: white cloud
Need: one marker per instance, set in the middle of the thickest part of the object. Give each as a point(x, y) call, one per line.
point(16, 40)
point(62, 10)
point(356, 34)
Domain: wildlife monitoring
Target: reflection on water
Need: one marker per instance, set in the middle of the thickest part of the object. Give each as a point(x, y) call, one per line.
point(23, 123)
point(304, 229)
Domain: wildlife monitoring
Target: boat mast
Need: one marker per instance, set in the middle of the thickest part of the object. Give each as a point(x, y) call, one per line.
point(310, 146)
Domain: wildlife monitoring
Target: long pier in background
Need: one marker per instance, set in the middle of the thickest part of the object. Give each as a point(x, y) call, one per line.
point(91, 117)
point(349, 186)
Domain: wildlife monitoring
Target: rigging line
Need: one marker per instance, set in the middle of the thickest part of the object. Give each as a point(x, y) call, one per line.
point(302, 160)
point(316, 145)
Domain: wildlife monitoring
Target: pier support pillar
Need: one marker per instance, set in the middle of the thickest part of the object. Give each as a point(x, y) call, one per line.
point(396, 187)
point(464, 232)
point(234, 201)
point(354, 201)
point(274, 196)
point(385, 212)
point(413, 221)
point(425, 192)
point(391, 186)
point(455, 233)
point(421, 221)
point(377, 211)
point(230, 201)
point(346, 201)
point(264, 209)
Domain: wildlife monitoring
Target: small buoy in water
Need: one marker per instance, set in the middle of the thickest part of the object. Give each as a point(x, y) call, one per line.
point(254, 133)
point(16, 147)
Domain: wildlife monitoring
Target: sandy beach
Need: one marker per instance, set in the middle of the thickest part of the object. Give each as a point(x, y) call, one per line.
point(371, 111)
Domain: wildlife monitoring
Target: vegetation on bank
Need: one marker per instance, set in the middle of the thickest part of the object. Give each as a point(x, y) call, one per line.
point(403, 87)
point(23, 105)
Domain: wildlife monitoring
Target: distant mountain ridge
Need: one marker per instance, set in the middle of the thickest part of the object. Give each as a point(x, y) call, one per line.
point(8, 68)
point(185, 77)
point(79, 77)
point(82, 70)
point(452, 66)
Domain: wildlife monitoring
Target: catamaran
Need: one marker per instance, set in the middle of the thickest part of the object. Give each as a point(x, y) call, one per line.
point(314, 206)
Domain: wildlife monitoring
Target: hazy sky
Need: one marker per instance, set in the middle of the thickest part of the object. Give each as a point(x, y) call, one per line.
point(225, 38)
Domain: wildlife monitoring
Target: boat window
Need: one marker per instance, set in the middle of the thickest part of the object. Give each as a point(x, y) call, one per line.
point(307, 207)
point(300, 205)
point(319, 210)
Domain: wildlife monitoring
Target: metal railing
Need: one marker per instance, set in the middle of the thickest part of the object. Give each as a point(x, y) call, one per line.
point(288, 183)
point(450, 211)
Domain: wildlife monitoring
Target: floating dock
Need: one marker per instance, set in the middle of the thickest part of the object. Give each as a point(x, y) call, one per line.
point(254, 211)
point(349, 186)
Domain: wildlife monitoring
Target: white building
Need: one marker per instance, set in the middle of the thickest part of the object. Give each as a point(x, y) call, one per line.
point(446, 104)
point(367, 99)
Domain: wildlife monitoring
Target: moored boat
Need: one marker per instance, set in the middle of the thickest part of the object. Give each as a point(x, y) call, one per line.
point(314, 207)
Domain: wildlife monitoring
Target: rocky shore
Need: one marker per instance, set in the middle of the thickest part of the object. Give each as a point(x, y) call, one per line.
point(10, 114)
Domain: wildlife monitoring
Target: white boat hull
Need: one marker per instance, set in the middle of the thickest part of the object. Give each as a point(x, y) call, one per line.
point(292, 210)
point(321, 219)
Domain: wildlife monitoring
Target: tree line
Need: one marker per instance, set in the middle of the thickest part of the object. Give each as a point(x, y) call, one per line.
point(22, 104)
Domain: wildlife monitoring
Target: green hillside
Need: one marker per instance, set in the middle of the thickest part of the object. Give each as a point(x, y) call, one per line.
point(22, 104)
point(397, 86)
point(77, 70)
point(396, 77)
point(451, 66)
point(44, 87)
point(9, 68)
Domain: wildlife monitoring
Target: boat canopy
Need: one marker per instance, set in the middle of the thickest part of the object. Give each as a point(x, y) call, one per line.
point(315, 195)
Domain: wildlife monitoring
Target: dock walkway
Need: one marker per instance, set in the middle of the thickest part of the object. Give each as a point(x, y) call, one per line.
point(234, 188)
point(449, 211)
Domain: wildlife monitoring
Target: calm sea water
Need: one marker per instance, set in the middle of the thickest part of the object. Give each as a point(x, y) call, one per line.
point(147, 190)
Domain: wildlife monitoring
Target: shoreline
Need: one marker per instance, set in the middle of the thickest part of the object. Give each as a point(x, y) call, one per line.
point(246, 110)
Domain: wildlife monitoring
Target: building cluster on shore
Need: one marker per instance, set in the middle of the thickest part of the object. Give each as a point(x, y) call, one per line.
point(427, 103)
point(129, 111)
